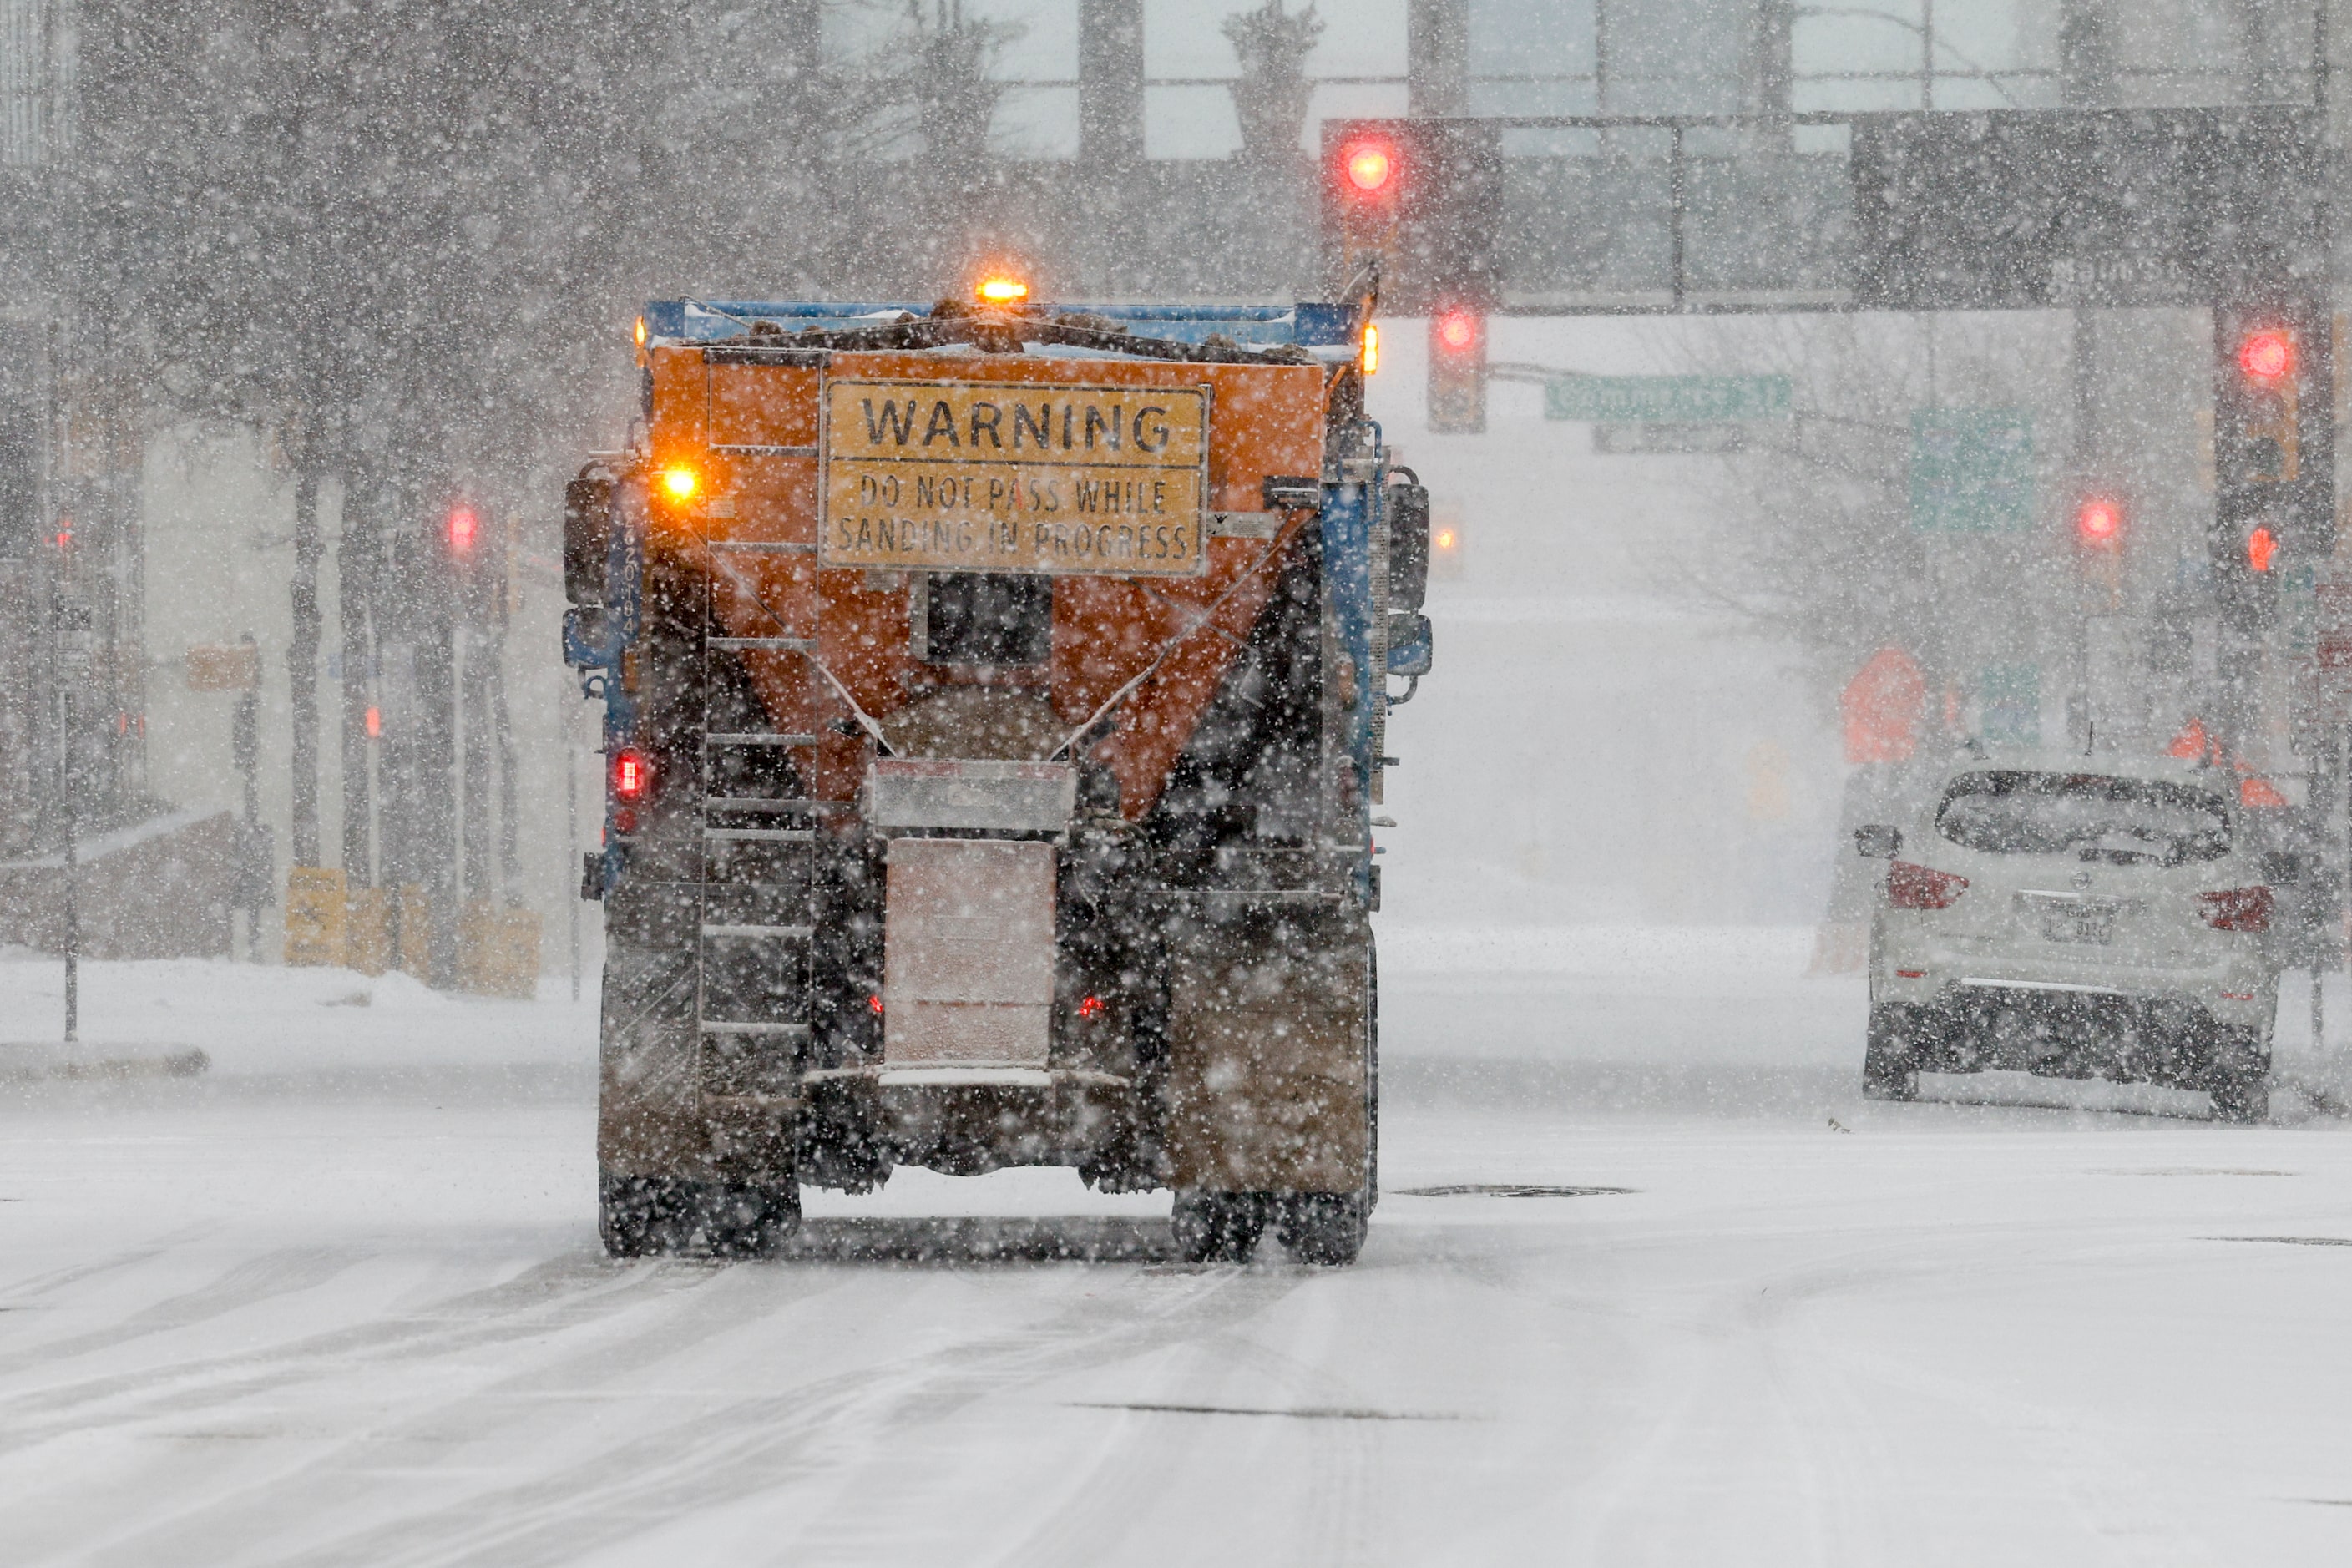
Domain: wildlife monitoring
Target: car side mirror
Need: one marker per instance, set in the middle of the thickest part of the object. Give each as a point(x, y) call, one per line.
point(1878, 842)
point(2281, 869)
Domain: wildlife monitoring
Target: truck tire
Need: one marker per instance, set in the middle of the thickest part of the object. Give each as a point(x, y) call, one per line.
point(1324, 1229)
point(643, 1217)
point(1889, 1071)
point(742, 1221)
point(1217, 1227)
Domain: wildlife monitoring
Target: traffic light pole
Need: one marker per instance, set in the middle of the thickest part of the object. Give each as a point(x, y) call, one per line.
point(72, 858)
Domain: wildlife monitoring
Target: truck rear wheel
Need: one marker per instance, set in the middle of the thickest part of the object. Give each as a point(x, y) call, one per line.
point(643, 1217)
point(1217, 1227)
point(1325, 1229)
point(660, 1216)
point(744, 1221)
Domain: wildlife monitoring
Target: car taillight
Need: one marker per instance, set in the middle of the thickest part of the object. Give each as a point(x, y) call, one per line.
point(1910, 887)
point(2236, 909)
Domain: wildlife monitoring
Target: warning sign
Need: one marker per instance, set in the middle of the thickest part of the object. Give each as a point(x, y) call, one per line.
point(937, 476)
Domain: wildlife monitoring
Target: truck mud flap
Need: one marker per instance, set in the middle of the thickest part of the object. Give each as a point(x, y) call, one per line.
point(648, 1123)
point(1268, 1050)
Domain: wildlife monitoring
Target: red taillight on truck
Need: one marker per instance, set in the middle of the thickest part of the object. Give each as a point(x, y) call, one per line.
point(1910, 887)
point(631, 773)
point(2236, 909)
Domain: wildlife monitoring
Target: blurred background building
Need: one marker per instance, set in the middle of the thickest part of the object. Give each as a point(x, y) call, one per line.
point(305, 314)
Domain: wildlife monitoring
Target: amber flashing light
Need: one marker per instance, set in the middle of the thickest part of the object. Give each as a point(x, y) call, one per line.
point(1368, 358)
point(998, 289)
point(679, 481)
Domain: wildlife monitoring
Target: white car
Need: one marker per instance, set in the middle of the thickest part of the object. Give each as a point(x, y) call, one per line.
point(2075, 918)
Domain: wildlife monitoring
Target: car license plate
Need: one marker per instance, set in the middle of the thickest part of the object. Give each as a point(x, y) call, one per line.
point(2079, 923)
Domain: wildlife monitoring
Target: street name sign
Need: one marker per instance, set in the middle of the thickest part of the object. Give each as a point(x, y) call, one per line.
point(1971, 470)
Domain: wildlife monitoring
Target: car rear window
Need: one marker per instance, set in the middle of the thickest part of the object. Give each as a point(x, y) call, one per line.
point(2092, 815)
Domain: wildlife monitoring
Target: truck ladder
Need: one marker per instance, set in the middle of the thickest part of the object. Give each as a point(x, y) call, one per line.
point(757, 869)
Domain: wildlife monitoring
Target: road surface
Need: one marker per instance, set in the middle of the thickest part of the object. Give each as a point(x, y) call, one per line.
point(305, 1310)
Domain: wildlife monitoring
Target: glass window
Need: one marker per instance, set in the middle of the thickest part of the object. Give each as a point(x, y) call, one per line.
point(1043, 44)
point(2091, 815)
point(1035, 122)
point(1195, 121)
point(1873, 54)
point(1531, 57)
point(1670, 57)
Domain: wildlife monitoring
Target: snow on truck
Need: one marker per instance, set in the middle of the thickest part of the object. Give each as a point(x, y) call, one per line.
point(994, 707)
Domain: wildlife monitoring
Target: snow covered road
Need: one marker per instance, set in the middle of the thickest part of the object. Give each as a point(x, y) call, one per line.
point(281, 1315)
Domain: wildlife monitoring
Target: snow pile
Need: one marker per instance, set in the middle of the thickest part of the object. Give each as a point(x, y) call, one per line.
point(256, 1019)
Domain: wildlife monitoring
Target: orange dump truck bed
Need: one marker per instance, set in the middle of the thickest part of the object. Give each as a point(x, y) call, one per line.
point(996, 702)
point(895, 465)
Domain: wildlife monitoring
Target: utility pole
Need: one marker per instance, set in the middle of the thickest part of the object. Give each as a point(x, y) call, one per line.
point(69, 625)
point(1111, 135)
point(434, 749)
point(353, 564)
point(303, 647)
point(254, 877)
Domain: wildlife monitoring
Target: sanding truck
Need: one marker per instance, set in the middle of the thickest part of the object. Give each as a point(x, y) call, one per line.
point(995, 698)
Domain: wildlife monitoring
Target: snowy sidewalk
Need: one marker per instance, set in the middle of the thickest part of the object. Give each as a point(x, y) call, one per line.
point(264, 1020)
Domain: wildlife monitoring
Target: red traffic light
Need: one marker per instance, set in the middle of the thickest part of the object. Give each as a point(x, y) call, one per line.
point(464, 527)
point(631, 774)
point(2260, 545)
point(1457, 371)
point(1370, 166)
point(2267, 355)
point(2098, 522)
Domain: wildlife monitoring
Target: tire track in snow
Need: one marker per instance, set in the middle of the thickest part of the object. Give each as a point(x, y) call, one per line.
point(41, 1286)
point(551, 1297)
point(1736, 1431)
point(244, 1284)
point(591, 1335)
point(1776, 1370)
point(830, 1432)
point(1139, 1469)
